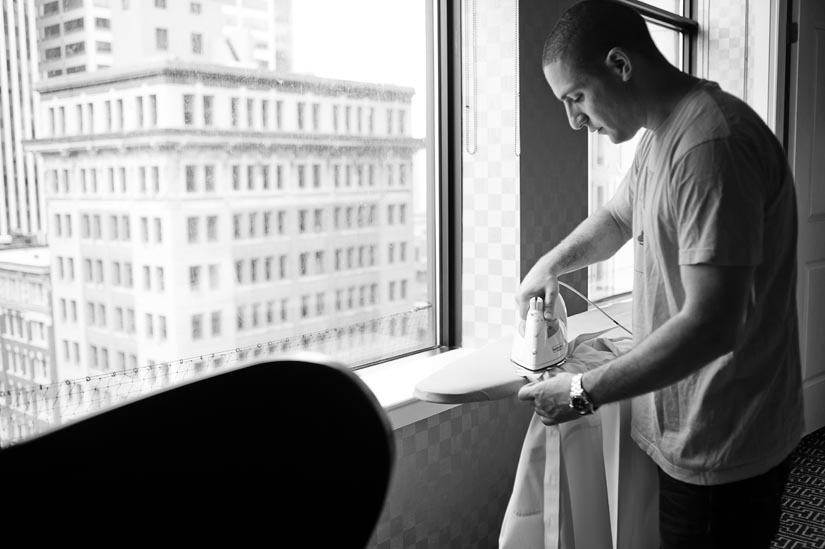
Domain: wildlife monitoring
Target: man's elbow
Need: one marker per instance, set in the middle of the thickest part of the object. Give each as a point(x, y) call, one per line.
point(718, 330)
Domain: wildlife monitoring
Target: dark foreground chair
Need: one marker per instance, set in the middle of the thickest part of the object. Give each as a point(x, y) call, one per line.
point(294, 452)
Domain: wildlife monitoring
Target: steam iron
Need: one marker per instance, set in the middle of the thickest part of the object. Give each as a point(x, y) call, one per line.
point(543, 345)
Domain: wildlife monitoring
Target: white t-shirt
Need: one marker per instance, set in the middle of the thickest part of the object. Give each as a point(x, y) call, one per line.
point(712, 186)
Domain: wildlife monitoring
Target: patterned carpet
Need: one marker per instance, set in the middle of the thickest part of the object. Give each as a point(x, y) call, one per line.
point(803, 505)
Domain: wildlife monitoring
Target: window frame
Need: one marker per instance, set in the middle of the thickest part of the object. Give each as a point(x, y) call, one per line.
point(446, 233)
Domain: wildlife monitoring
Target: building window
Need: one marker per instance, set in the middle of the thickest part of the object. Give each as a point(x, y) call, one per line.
point(209, 178)
point(192, 224)
point(50, 8)
point(301, 114)
point(161, 39)
point(207, 110)
point(194, 278)
point(197, 43)
point(212, 228)
point(103, 47)
point(51, 31)
point(76, 48)
point(190, 179)
point(234, 111)
point(197, 327)
point(188, 109)
point(73, 26)
point(216, 323)
point(161, 4)
point(103, 23)
point(195, 8)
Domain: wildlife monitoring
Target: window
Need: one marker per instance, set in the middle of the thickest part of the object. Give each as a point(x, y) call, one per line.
point(216, 323)
point(194, 278)
point(237, 167)
point(212, 228)
point(207, 110)
point(234, 111)
point(190, 179)
point(192, 229)
point(188, 109)
point(197, 43)
point(197, 327)
point(209, 178)
point(161, 39)
point(73, 25)
point(51, 31)
point(76, 48)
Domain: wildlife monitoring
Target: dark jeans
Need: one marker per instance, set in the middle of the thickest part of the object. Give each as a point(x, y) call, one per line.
point(739, 514)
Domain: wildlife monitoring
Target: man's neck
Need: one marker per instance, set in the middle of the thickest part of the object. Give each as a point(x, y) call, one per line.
point(663, 93)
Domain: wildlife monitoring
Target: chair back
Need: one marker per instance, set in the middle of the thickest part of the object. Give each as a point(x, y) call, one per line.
point(297, 446)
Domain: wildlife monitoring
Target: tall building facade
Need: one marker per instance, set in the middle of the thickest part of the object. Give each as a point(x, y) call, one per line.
point(90, 35)
point(195, 209)
point(21, 199)
point(27, 361)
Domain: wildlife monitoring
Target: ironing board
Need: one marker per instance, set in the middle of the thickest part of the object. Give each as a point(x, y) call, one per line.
point(624, 507)
point(487, 373)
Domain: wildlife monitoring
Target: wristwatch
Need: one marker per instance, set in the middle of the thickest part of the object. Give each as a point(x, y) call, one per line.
point(579, 399)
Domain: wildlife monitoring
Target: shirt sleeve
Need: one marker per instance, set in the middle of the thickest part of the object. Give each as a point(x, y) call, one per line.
point(620, 206)
point(717, 202)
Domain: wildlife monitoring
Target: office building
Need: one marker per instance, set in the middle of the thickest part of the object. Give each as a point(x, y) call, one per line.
point(21, 198)
point(27, 361)
point(196, 209)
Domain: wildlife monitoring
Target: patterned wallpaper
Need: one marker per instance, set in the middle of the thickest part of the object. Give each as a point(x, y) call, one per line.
point(733, 48)
point(454, 471)
point(491, 171)
point(453, 476)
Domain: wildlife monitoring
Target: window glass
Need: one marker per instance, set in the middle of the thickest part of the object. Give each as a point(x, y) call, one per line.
point(608, 163)
point(228, 240)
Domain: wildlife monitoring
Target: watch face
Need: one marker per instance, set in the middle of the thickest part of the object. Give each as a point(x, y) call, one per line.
point(579, 403)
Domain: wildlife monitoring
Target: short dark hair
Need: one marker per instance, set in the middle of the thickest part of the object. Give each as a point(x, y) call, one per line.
point(588, 30)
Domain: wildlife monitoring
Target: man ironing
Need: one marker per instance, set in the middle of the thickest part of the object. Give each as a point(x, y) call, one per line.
point(709, 203)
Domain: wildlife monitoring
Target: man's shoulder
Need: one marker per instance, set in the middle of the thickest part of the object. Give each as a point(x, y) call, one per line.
point(712, 115)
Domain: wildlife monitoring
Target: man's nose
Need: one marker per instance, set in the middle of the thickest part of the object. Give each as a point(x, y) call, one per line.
point(574, 117)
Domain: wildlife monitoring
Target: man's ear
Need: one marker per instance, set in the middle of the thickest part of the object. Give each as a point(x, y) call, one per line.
point(618, 62)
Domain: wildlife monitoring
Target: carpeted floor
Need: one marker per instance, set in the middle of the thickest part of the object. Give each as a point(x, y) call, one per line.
point(803, 505)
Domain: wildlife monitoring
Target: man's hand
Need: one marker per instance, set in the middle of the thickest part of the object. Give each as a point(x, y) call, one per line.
point(539, 282)
point(551, 398)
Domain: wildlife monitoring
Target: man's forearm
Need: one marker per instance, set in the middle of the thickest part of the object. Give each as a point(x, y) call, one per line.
point(595, 239)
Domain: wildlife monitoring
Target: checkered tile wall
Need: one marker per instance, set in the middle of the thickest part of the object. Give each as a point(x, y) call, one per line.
point(724, 40)
point(454, 472)
point(453, 476)
point(491, 171)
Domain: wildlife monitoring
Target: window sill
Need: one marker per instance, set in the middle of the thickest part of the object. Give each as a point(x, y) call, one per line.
point(393, 382)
